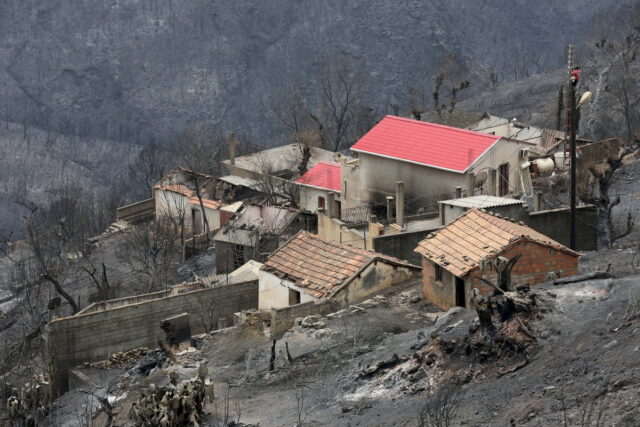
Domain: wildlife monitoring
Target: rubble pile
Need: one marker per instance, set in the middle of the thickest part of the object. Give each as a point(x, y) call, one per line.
point(121, 359)
point(175, 404)
point(249, 319)
point(29, 405)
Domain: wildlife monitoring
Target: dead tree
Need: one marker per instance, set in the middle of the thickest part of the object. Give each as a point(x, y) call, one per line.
point(151, 251)
point(49, 252)
point(441, 407)
point(440, 105)
point(152, 164)
point(506, 298)
point(341, 87)
point(614, 56)
point(595, 191)
point(200, 150)
point(104, 289)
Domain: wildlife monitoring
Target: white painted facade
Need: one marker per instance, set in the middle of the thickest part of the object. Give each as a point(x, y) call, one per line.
point(173, 204)
point(274, 292)
point(372, 178)
point(310, 197)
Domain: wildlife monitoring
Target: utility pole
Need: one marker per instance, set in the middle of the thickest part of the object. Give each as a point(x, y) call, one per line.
point(572, 124)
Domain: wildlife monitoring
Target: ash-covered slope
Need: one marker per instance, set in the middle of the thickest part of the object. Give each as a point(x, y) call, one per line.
point(141, 70)
point(35, 163)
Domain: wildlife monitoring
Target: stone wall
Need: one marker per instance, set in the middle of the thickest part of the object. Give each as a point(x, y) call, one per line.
point(95, 336)
point(282, 319)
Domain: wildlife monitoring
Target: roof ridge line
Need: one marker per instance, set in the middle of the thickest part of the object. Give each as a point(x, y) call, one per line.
point(466, 131)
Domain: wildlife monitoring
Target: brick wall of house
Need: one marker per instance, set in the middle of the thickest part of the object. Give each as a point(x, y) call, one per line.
point(532, 268)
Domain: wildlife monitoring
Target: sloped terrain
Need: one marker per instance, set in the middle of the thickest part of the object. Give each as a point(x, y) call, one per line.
point(378, 364)
point(142, 71)
point(35, 162)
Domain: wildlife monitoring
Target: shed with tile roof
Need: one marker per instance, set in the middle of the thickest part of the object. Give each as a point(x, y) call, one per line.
point(317, 184)
point(454, 257)
point(311, 268)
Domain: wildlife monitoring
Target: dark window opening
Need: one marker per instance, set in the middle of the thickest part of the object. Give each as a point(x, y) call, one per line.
point(338, 209)
point(196, 221)
point(294, 297)
point(320, 202)
point(438, 273)
point(238, 256)
point(503, 179)
point(460, 297)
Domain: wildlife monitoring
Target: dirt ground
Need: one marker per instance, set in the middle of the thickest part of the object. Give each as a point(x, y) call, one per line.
point(586, 358)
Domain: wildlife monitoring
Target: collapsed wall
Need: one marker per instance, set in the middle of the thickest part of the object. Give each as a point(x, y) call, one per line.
point(96, 334)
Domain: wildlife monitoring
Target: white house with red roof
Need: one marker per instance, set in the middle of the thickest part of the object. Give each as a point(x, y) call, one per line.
point(319, 185)
point(430, 160)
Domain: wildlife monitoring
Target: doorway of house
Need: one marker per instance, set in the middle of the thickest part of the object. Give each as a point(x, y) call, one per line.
point(460, 292)
point(196, 221)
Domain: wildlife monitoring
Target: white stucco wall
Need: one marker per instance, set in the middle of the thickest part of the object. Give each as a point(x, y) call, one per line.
point(376, 176)
point(309, 198)
point(273, 292)
point(169, 203)
point(503, 151)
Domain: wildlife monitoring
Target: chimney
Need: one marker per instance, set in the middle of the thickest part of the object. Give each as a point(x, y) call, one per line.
point(389, 209)
point(232, 148)
point(400, 203)
point(491, 184)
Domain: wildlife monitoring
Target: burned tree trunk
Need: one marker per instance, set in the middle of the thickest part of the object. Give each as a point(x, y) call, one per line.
point(603, 177)
point(506, 300)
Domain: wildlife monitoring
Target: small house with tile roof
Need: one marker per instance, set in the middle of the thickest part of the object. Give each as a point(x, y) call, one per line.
point(311, 268)
point(317, 184)
point(176, 196)
point(457, 255)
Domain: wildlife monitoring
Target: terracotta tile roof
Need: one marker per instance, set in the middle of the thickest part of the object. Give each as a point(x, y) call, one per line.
point(318, 265)
point(324, 175)
point(429, 144)
point(465, 242)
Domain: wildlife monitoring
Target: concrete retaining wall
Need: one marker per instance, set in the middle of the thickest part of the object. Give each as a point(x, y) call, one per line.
point(142, 209)
point(556, 223)
point(401, 245)
point(96, 335)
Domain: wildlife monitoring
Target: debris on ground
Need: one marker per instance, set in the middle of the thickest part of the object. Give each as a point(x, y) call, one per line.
point(120, 359)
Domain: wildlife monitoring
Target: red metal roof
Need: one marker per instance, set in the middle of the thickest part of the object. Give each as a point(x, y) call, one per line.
point(324, 175)
point(439, 146)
